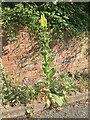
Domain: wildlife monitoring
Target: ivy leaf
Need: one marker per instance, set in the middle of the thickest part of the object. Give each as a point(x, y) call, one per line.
point(66, 17)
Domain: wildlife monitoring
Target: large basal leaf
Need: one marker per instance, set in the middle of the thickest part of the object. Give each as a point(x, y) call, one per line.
point(57, 99)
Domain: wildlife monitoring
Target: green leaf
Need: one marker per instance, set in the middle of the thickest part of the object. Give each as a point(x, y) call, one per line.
point(51, 73)
point(54, 82)
point(66, 17)
point(72, 89)
point(45, 69)
point(50, 60)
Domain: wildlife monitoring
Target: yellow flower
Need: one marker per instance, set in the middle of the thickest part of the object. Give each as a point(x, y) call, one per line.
point(43, 21)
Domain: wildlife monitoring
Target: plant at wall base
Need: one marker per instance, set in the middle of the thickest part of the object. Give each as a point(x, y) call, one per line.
point(50, 86)
point(12, 95)
point(8, 94)
point(21, 94)
point(67, 83)
point(27, 92)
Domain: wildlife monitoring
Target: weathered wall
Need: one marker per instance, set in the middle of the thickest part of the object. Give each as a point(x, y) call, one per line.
point(26, 60)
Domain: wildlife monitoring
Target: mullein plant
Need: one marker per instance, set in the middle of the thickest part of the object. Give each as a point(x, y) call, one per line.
point(46, 51)
point(53, 91)
point(51, 87)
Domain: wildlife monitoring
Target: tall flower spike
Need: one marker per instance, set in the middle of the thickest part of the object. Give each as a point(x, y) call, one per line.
point(43, 21)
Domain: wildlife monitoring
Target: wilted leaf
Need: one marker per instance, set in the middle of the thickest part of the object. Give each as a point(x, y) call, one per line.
point(48, 103)
point(46, 90)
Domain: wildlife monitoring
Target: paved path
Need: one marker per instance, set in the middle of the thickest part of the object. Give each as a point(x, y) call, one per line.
point(73, 111)
point(79, 109)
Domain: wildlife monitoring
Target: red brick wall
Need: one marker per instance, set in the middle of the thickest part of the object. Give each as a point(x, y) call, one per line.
point(70, 56)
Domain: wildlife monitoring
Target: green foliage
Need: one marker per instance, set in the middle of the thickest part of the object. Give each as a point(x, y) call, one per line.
point(15, 95)
point(12, 94)
point(26, 93)
point(8, 93)
point(17, 17)
point(64, 19)
point(67, 83)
